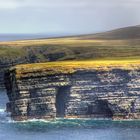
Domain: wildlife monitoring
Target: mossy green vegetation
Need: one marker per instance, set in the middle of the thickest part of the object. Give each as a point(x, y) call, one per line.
point(72, 49)
point(11, 52)
point(120, 44)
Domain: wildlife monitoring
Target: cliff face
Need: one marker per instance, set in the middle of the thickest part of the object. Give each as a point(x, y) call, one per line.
point(112, 93)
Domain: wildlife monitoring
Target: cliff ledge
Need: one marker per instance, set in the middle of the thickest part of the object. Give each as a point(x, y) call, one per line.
point(76, 89)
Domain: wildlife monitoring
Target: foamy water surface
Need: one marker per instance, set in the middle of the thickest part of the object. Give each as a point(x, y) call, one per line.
point(65, 129)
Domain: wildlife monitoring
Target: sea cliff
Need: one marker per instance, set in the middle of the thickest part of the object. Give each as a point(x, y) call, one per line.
point(76, 89)
point(106, 46)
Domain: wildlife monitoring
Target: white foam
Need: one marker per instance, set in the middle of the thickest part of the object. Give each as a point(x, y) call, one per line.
point(33, 120)
point(4, 116)
point(2, 110)
point(56, 120)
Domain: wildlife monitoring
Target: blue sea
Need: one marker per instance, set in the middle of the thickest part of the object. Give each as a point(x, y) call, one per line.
point(63, 129)
point(14, 37)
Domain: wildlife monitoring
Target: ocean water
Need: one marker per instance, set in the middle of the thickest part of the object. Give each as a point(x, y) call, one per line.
point(14, 37)
point(63, 129)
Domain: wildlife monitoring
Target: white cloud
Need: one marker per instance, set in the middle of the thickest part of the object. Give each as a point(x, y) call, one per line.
point(77, 16)
point(54, 3)
point(9, 4)
point(13, 4)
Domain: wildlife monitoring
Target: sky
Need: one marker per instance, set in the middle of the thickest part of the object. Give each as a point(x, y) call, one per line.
point(67, 16)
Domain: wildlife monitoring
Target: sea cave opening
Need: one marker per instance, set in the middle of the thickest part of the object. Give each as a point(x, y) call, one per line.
point(61, 100)
point(104, 109)
point(101, 109)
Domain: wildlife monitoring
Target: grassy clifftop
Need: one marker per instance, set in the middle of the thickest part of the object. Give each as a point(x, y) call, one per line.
point(67, 67)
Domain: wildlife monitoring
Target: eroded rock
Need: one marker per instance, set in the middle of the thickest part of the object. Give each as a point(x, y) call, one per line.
point(113, 93)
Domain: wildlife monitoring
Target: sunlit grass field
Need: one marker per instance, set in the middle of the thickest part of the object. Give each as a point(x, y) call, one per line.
point(74, 48)
point(65, 67)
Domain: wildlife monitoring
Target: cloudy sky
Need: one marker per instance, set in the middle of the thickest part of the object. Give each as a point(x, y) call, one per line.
point(67, 16)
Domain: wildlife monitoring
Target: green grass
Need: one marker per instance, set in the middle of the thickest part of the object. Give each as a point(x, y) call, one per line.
point(11, 52)
point(71, 49)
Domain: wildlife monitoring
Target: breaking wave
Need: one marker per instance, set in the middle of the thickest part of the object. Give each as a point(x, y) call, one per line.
point(4, 116)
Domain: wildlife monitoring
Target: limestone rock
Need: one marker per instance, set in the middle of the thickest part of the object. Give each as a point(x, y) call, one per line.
point(95, 93)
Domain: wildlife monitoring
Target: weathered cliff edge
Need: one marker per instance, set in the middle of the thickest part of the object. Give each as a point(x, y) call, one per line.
point(109, 89)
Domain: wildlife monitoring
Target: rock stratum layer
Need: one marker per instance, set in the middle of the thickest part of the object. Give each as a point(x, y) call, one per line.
point(74, 90)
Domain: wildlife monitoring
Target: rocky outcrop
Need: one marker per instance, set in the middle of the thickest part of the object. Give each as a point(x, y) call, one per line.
point(24, 55)
point(35, 92)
